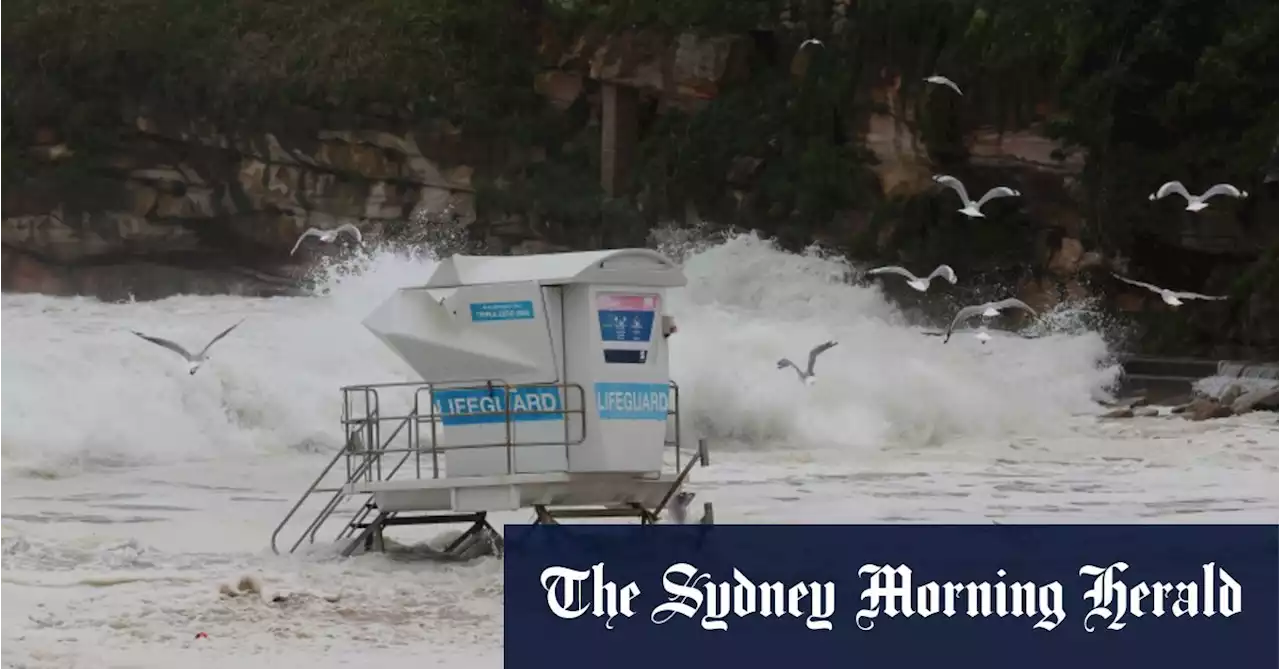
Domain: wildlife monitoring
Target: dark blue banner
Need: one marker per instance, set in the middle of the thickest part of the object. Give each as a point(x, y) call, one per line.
point(988, 596)
point(630, 326)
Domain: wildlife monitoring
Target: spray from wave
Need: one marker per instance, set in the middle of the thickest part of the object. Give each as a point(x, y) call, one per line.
point(748, 304)
point(80, 390)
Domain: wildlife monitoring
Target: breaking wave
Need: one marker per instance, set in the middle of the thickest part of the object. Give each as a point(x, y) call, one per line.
point(80, 390)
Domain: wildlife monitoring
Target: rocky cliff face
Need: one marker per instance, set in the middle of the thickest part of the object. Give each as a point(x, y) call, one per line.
point(180, 206)
point(636, 127)
point(185, 207)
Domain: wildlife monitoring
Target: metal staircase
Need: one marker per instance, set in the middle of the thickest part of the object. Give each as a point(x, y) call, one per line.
point(363, 427)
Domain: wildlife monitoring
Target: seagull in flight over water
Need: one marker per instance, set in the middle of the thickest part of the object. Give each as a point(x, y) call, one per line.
point(973, 209)
point(193, 361)
point(943, 81)
point(916, 282)
point(988, 310)
point(1172, 298)
point(327, 236)
point(806, 376)
point(1196, 202)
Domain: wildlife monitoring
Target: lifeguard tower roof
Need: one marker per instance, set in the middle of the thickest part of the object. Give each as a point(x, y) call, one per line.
point(620, 266)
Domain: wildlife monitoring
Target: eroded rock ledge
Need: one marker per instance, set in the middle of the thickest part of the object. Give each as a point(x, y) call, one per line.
point(199, 207)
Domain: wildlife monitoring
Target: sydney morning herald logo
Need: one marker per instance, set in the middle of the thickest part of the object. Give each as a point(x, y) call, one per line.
point(1109, 603)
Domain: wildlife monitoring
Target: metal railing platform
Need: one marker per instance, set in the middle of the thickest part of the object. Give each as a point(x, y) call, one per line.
point(394, 465)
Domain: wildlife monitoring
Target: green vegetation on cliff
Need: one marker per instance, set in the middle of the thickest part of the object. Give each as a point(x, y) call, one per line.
point(1148, 90)
point(1171, 87)
point(240, 61)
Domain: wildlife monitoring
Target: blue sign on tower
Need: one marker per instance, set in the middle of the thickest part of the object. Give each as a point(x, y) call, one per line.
point(501, 311)
point(479, 406)
point(632, 326)
point(633, 401)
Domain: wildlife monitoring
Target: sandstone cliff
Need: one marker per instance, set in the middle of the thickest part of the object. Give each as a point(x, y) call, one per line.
point(181, 206)
point(148, 162)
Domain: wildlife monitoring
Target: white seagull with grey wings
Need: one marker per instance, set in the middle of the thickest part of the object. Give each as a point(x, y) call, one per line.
point(1172, 298)
point(1196, 202)
point(327, 236)
point(974, 209)
point(194, 360)
point(806, 375)
point(916, 282)
point(988, 310)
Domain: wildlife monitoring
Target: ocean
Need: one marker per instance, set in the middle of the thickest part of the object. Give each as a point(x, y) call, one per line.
point(133, 492)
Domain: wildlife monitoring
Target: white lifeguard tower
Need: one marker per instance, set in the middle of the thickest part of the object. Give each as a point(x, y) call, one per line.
point(544, 386)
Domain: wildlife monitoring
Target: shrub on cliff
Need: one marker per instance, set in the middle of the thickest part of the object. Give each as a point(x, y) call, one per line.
point(68, 61)
point(1150, 89)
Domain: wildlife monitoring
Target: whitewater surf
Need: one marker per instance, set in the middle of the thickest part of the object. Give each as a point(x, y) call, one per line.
point(135, 496)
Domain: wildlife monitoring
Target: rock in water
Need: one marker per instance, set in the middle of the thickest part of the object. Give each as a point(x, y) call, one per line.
point(249, 585)
point(1204, 409)
point(1230, 395)
point(1261, 399)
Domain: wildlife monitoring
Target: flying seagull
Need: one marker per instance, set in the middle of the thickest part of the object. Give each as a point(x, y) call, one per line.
point(988, 310)
point(1196, 202)
point(327, 236)
point(816, 42)
point(1172, 298)
point(941, 80)
point(973, 209)
point(193, 361)
point(916, 282)
point(806, 376)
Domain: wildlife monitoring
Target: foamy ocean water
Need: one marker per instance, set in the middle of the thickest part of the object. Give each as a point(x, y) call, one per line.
point(133, 491)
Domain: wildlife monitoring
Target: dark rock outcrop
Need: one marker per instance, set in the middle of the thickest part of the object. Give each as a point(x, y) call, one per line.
point(183, 207)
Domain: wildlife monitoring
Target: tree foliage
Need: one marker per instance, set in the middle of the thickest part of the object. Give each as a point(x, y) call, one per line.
point(1149, 90)
point(238, 60)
